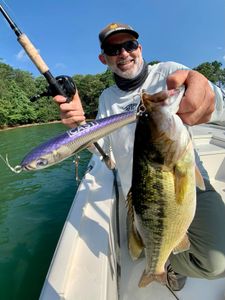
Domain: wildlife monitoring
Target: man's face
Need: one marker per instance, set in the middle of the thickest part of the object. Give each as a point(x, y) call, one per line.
point(125, 64)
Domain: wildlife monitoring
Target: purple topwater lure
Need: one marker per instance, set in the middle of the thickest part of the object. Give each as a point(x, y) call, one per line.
point(72, 141)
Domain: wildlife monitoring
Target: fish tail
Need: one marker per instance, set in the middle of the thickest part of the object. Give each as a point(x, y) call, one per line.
point(147, 278)
point(17, 169)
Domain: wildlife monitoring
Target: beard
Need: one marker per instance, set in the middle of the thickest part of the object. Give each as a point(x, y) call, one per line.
point(130, 73)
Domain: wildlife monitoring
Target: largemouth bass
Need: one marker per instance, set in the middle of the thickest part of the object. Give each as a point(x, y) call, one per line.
point(70, 142)
point(162, 199)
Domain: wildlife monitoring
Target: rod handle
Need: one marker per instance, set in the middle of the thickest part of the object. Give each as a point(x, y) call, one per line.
point(32, 53)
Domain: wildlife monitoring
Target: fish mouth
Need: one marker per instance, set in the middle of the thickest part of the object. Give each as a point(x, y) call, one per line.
point(35, 165)
point(28, 168)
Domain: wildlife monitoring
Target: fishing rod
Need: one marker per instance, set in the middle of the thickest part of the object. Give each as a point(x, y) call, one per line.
point(60, 85)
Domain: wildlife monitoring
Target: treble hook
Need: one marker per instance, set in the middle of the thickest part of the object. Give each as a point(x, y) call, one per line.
point(76, 162)
point(141, 109)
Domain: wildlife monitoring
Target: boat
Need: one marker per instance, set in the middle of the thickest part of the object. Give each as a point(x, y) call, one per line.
point(91, 260)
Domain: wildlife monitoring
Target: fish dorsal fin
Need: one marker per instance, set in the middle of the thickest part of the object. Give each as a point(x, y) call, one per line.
point(199, 179)
point(184, 245)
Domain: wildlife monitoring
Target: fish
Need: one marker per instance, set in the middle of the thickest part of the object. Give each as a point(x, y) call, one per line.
point(162, 199)
point(70, 142)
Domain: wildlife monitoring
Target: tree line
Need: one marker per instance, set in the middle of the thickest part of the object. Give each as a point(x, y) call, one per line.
point(18, 86)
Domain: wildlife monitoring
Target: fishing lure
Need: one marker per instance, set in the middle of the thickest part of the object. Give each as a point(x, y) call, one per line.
point(70, 142)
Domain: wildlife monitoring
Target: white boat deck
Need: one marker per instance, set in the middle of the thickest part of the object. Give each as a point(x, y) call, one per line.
point(194, 289)
point(210, 144)
point(84, 264)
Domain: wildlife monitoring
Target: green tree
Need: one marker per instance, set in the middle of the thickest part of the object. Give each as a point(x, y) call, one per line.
point(154, 62)
point(213, 71)
point(90, 87)
point(16, 106)
point(25, 81)
point(17, 87)
point(6, 73)
point(45, 107)
point(107, 78)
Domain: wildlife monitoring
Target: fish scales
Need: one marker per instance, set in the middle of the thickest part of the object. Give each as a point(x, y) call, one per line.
point(148, 198)
point(162, 195)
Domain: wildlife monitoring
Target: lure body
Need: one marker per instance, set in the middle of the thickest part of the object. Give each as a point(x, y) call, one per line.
point(72, 141)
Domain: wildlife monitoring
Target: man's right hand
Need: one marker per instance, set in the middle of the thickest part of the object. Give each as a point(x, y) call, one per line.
point(198, 102)
point(72, 113)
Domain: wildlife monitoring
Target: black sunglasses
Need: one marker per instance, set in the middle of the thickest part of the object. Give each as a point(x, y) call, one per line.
point(115, 49)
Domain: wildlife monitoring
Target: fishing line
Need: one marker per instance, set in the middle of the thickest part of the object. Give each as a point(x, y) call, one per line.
point(6, 5)
point(117, 198)
point(17, 169)
point(9, 8)
point(172, 292)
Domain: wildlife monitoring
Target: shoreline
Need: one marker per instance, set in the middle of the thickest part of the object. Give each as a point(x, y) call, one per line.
point(27, 125)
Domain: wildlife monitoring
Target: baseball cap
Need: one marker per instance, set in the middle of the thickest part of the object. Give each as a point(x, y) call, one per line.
point(113, 28)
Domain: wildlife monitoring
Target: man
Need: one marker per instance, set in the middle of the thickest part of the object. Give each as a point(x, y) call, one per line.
point(202, 102)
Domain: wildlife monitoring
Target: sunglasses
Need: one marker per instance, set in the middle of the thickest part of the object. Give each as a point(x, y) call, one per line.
point(115, 49)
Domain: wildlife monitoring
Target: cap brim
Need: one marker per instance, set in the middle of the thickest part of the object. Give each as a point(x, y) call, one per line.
point(119, 30)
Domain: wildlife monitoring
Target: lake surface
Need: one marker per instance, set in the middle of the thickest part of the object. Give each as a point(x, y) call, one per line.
point(33, 209)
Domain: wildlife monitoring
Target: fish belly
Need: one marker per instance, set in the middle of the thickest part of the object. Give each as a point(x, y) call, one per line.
point(163, 201)
point(161, 220)
point(163, 191)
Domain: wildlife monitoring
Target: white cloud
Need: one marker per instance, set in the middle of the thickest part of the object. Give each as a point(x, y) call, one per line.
point(60, 66)
point(21, 55)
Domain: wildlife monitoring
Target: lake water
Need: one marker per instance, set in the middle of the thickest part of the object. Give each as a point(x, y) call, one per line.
point(33, 209)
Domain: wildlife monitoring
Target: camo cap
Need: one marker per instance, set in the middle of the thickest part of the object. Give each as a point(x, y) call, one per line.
point(115, 28)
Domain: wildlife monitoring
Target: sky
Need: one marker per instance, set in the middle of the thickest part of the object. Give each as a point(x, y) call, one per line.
point(65, 32)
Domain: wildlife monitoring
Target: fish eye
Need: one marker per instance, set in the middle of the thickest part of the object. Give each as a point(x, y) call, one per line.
point(42, 162)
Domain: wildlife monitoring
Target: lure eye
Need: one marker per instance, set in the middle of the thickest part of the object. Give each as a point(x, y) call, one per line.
point(41, 163)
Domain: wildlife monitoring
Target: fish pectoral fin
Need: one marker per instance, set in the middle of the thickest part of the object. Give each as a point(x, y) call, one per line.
point(199, 179)
point(184, 245)
point(135, 243)
point(147, 278)
point(181, 183)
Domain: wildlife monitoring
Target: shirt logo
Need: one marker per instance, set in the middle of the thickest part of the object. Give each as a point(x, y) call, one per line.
point(130, 107)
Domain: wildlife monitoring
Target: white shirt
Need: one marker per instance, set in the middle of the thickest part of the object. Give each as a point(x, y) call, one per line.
point(113, 101)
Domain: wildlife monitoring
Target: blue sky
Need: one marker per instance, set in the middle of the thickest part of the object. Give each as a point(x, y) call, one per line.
point(66, 32)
